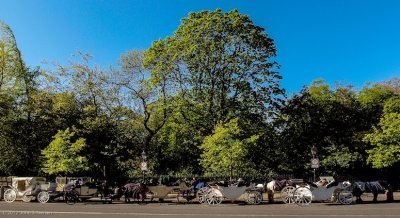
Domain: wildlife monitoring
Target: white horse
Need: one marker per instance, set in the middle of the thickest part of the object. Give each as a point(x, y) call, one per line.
point(277, 186)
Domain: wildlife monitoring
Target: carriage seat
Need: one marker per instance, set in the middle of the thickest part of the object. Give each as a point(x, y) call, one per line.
point(329, 178)
point(200, 185)
point(322, 182)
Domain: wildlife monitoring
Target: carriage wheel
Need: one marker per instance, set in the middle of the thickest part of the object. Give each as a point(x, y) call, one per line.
point(214, 197)
point(287, 194)
point(302, 196)
point(27, 198)
point(10, 195)
point(345, 197)
point(43, 197)
point(254, 197)
point(201, 195)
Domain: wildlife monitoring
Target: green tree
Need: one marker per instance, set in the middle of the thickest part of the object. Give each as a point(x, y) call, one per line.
point(17, 86)
point(385, 139)
point(178, 143)
point(96, 102)
point(331, 120)
point(220, 64)
point(12, 66)
point(145, 109)
point(225, 151)
point(151, 99)
point(217, 66)
point(62, 156)
point(372, 98)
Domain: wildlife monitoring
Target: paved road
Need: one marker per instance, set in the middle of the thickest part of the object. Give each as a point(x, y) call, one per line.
point(96, 209)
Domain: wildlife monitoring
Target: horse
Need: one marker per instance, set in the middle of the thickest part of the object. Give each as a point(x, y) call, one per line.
point(187, 189)
point(277, 186)
point(374, 187)
point(135, 191)
point(116, 192)
point(109, 193)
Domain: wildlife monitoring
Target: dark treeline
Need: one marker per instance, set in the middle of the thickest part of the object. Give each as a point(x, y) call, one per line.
point(204, 101)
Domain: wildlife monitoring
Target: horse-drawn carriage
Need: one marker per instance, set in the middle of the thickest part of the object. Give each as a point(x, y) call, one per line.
point(162, 192)
point(54, 190)
point(216, 193)
point(334, 191)
point(181, 189)
point(30, 188)
point(84, 188)
point(161, 188)
point(24, 188)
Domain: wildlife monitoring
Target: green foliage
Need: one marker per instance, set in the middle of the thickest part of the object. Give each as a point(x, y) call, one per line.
point(206, 99)
point(320, 90)
point(217, 66)
point(340, 159)
point(20, 113)
point(225, 151)
point(151, 100)
point(12, 66)
point(63, 155)
point(372, 98)
point(220, 64)
point(178, 147)
point(330, 119)
point(385, 139)
point(376, 94)
point(392, 105)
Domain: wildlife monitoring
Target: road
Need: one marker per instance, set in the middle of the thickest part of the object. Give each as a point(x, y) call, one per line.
point(165, 210)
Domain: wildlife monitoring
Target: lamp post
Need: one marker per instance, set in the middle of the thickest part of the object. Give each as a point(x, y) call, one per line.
point(314, 151)
point(314, 160)
point(143, 165)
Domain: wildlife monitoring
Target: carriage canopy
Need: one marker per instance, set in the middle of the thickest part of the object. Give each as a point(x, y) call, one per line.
point(27, 183)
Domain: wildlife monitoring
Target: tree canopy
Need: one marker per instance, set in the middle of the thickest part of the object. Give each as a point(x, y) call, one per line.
point(62, 156)
point(225, 151)
point(221, 64)
point(385, 138)
point(205, 100)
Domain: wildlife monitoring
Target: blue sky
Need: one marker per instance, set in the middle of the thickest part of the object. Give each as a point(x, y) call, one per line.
point(349, 41)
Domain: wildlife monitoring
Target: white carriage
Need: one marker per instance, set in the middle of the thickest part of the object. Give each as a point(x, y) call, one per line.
point(334, 191)
point(214, 194)
point(25, 188)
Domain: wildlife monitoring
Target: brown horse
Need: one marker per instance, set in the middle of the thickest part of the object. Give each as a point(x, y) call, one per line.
point(136, 191)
